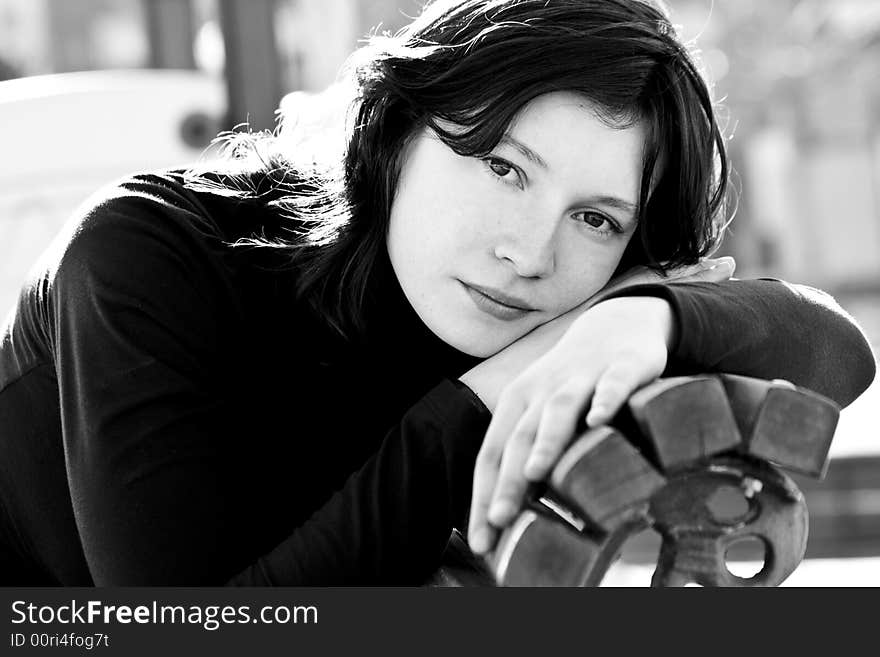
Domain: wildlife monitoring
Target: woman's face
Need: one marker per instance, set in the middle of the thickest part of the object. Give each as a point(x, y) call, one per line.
point(539, 225)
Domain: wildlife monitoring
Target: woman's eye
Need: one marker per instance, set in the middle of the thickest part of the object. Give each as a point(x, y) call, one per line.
point(499, 167)
point(596, 220)
point(504, 171)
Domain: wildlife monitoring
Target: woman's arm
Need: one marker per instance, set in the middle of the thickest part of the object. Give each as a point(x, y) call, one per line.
point(764, 328)
point(760, 328)
point(768, 329)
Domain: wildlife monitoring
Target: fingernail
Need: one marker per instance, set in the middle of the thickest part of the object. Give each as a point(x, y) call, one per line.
point(480, 541)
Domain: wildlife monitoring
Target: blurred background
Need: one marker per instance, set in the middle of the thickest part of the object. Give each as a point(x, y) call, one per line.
point(94, 89)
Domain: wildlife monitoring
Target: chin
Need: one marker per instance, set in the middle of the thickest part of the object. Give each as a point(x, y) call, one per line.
point(480, 345)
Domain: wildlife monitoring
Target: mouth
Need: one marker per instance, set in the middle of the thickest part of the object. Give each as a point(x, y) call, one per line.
point(501, 298)
point(488, 302)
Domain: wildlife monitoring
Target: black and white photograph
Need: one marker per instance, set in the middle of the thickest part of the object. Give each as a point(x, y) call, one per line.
point(456, 293)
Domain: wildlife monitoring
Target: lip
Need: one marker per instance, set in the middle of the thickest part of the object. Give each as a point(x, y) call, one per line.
point(493, 307)
point(500, 297)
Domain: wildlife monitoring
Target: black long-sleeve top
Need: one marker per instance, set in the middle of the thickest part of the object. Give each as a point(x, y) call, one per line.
point(170, 414)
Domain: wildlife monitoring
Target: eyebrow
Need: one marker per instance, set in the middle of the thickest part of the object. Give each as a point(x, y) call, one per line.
point(614, 202)
point(532, 156)
point(527, 152)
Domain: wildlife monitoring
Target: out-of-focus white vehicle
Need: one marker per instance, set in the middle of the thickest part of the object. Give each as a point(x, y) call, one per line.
point(64, 136)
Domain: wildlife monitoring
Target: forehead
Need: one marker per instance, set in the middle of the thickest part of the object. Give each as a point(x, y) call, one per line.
point(564, 129)
point(566, 118)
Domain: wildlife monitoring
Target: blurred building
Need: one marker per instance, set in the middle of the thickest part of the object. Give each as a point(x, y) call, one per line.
point(310, 38)
point(24, 37)
point(802, 86)
point(57, 36)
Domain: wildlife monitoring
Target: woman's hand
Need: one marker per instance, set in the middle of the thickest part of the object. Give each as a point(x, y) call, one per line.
point(604, 354)
point(490, 377)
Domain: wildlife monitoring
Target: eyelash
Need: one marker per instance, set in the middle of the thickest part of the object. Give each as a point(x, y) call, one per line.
point(493, 160)
point(613, 226)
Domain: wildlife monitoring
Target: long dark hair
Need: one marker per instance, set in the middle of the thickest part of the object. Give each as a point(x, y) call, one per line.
point(476, 63)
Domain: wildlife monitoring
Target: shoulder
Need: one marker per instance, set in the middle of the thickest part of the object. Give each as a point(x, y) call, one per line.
point(189, 216)
point(157, 244)
point(153, 237)
point(139, 206)
point(143, 263)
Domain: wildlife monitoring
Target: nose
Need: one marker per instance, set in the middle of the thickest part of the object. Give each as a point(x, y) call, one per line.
point(530, 247)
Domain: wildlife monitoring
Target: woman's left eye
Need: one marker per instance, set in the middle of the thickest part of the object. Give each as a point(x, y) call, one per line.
point(595, 220)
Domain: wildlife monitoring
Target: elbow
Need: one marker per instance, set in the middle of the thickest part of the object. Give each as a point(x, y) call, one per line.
point(859, 367)
point(845, 363)
point(864, 374)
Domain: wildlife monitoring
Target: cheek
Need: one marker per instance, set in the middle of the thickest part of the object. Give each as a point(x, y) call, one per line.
point(442, 219)
point(586, 271)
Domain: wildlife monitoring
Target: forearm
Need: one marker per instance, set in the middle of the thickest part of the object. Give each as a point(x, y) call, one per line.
point(769, 329)
point(491, 376)
point(762, 328)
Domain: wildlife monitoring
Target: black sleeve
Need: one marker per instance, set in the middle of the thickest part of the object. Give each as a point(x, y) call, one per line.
point(138, 317)
point(768, 329)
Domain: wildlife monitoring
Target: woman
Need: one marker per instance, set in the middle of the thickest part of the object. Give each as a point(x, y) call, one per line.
point(265, 374)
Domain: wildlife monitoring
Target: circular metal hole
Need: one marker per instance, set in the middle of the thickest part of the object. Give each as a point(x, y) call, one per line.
point(728, 505)
point(745, 557)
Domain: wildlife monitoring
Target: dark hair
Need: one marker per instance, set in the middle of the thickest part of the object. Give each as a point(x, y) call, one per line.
point(476, 63)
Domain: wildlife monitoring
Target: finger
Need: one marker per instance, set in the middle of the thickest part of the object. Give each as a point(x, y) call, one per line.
point(511, 485)
point(615, 385)
point(721, 270)
point(557, 425)
point(725, 265)
point(686, 271)
point(689, 270)
point(635, 276)
point(481, 535)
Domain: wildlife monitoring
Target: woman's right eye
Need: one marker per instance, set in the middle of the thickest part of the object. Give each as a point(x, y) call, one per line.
point(499, 167)
point(502, 169)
